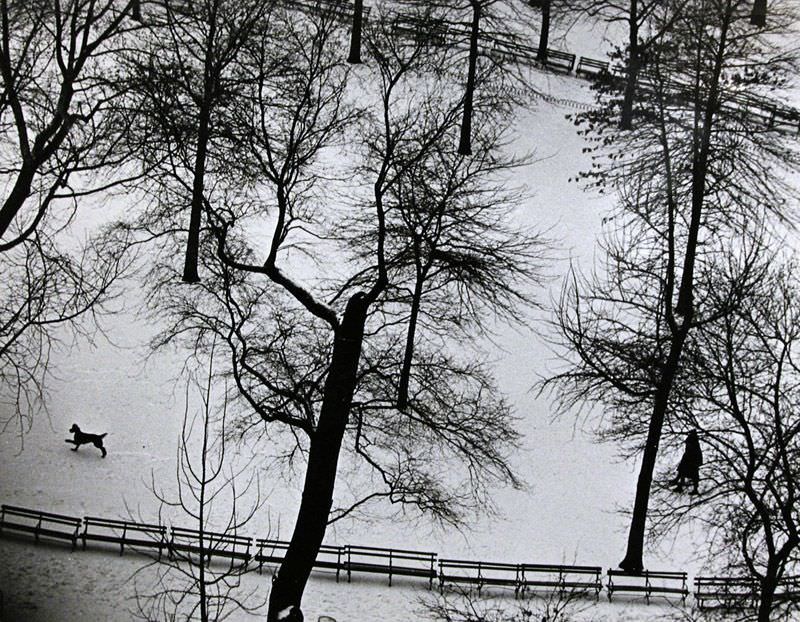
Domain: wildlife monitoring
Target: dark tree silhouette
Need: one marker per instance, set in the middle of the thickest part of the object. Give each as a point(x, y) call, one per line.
point(743, 398)
point(759, 15)
point(450, 245)
point(60, 140)
point(321, 358)
point(466, 23)
point(354, 56)
point(693, 171)
point(55, 102)
point(544, 32)
point(179, 91)
point(646, 22)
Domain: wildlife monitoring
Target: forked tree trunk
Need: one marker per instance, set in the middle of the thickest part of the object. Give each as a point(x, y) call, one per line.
point(544, 33)
point(465, 141)
point(46, 144)
point(354, 56)
point(323, 457)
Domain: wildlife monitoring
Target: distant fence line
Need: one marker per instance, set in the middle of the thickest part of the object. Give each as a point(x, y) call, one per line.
point(185, 544)
point(784, 119)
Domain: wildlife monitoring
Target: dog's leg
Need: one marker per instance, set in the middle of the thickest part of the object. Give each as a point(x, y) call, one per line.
point(99, 444)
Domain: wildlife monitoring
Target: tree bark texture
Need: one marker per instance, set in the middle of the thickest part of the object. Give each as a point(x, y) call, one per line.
point(323, 457)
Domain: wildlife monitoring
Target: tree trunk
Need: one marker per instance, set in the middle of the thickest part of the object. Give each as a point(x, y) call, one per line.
point(19, 194)
point(634, 64)
point(405, 372)
point(544, 33)
point(354, 56)
point(465, 142)
point(767, 596)
point(190, 274)
point(759, 15)
point(323, 457)
point(633, 561)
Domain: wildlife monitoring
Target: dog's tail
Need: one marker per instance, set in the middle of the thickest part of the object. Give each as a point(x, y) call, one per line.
point(103, 435)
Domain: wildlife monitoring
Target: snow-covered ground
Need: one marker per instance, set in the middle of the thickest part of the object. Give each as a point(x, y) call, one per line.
point(569, 513)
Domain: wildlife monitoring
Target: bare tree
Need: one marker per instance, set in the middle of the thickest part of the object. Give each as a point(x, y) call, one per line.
point(743, 401)
point(180, 90)
point(320, 359)
point(59, 142)
point(696, 169)
point(56, 102)
point(472, 24)
point(45, 287)
point(646, 22)
point(187, 584)
point(451, 242)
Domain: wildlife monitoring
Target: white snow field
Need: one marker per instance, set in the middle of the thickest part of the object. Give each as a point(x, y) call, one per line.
point(569, 513)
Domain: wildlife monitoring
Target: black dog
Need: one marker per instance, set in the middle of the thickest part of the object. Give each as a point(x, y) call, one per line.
point(81, 438)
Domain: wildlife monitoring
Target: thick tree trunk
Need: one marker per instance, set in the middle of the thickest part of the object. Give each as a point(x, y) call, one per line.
point(766, 598)
point(323, 457)
point(544, 33)
point(354, 56)
point(190, 273)
point(465, 141)
point(634, 65)
point(759, 15)
point(19, 194)
point(633, 561)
